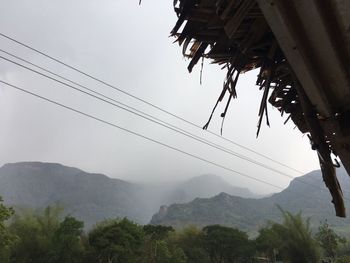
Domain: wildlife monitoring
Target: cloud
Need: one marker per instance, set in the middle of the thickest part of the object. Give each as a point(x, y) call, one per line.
point(128, 46)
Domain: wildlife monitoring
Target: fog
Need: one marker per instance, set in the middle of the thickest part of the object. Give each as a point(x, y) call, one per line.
point(129, 46)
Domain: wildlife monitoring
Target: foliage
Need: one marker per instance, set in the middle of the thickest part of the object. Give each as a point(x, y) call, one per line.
point(157, 232)
point(44, 237)
point(162, 251)
point(116, 241)
point(191, 240)
point(292, 239)
point(225, 244)
point(343, 259)
point(35, 232)
point(268, 242)
point(328, 240)
point(67, 245)
point(158, 248)
point(6, 238)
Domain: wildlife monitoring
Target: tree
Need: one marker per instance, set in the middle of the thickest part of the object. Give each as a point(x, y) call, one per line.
point(44, 237)
point(6, 238)
point(157, 232)
point(67, 246)
point(268, 242)
point(225, 244)
point(116, 241)
point(293, 239)
point(35, 231)
point(328, 240)
point(158, 248)
point(166, 253)
point(191, 240)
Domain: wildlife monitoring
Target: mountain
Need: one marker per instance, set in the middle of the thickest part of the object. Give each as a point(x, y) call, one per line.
point(307, 194)
point(206, 186)
point(93, 197)
point(88, 196)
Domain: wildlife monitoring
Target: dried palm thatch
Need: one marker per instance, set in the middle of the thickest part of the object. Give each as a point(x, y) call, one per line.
point(235, 35)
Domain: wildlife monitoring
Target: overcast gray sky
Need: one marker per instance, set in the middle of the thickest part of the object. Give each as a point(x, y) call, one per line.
point(128, 46)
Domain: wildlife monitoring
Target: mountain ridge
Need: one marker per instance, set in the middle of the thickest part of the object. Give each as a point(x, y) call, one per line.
point(306, 194)
point(92, 197)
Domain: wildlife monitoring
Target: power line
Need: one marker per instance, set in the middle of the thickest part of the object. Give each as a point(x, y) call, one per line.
point(138, 134)
point(150, 104)
point(138, 113)
point(145, 137)
point(146, 102)
point(148, 117)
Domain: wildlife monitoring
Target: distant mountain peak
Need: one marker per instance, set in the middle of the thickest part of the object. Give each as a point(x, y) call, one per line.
point(93, 197)
point(37, 165)
point(207, 177)
point(33, 163)
point(210, 185)
point(306, 193)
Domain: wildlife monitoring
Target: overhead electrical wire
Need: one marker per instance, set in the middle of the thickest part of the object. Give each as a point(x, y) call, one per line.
point(154, 106)
point(144, 115)
point(144, 136)
point(146, 102)
point(136, 112)
point(138, 134)
point(141, 114)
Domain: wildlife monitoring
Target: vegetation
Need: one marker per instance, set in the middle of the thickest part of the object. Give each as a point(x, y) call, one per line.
point(225, 244)
point(95, 197)
point(116, 241)
point(292, 240)
point(249, 214)
point(6, 238)
point(329, 240)
point(47, 236)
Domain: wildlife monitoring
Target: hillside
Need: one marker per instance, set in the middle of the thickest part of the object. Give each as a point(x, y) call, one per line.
point(303, 194)
point(94, 197)
point(204, 186)
point(201, 186)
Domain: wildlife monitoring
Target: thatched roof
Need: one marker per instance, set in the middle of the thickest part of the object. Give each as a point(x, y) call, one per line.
point(236, 35)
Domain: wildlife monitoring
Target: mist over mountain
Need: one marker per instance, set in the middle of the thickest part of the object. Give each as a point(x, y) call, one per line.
point(87, 196)
point(94, 197)
point(306, 194)
point(204, 186)
point(201, 200)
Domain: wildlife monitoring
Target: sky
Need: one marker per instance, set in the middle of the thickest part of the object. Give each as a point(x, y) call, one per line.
point(129, 46)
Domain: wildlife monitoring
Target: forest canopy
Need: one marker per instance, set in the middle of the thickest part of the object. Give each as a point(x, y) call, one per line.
point(49, 236)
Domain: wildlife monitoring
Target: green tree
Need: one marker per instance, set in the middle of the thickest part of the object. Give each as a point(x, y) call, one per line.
point(6, 238)
point(343, 259)
point(35, 232)
point(43, 237)
point(268, 242)
point(159, 248)
point(329, 240)
point(157, 232)
point(167, 253)
point(191, 240)
point(292, 239)
point(225, 244)
point(67, 246)
point(116, 241)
